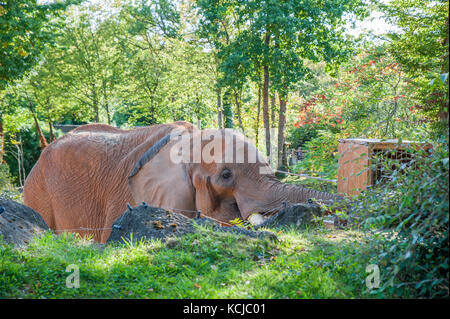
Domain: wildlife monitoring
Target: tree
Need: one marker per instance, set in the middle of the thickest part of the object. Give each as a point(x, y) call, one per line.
point(227, 111)
point(277, 36)
point(421, 48)
point(25, 27)
point(86, 60)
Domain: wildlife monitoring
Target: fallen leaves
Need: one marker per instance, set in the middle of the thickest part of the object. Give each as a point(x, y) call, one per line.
point(158, 224)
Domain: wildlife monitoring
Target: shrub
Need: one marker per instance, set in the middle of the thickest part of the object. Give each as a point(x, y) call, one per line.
point(298, 136)
point(321, 157)
point(409, 213)
point(6, 187)
point(30, 147)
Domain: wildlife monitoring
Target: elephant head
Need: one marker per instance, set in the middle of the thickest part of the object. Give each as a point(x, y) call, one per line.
point(217, 172)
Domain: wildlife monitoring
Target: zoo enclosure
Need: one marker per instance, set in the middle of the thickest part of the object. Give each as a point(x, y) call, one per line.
point(357, 156)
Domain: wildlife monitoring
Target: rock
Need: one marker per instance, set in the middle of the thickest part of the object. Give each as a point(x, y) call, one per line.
point(147, 223)
point(293, 215)
point(19, 223)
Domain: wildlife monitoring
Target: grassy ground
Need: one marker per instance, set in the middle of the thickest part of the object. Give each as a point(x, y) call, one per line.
point(304, 263)
point(329, 187)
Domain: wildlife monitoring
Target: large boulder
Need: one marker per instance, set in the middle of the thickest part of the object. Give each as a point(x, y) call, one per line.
point(19, 223)
point(147, 223)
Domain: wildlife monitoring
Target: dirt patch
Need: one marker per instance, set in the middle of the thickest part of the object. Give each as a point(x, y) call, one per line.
point(19, 223)
point(147, 223)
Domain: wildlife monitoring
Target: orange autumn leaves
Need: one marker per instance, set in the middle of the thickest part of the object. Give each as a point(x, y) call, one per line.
point(308, 115)
point(370, 84)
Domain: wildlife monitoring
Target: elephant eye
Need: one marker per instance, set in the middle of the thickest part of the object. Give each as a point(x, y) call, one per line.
point(226, 174)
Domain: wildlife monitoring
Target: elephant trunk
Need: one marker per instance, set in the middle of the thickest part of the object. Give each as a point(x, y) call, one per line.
point(271, 199)
point(299, 194)
point(292, 194)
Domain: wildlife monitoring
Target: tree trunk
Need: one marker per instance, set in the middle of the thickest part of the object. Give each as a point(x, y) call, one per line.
point(108, 116)
point(238, 111)
point(219, 108)
point(152, 111)
point(273, 108)
point(2, 140)
point(282, 159)
point(52, 135)
point(42, 139)
point(227, 111)
point(266, 102)
point(106, 102)
point(258, 114)
point(95, 104)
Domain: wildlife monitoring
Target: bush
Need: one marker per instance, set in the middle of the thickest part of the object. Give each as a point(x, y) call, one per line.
point(30, 147)
point(321, 158)
point(298, 136)
point(7, 189)
point(132, 115)
point(409, 213)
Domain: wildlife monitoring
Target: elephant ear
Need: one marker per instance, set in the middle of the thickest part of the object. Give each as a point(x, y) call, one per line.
point(161, 182)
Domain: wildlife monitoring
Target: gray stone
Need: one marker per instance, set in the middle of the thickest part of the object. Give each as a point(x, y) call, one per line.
point(19, 223)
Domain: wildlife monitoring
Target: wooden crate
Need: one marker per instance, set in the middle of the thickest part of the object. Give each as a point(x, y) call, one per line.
point(355, 173)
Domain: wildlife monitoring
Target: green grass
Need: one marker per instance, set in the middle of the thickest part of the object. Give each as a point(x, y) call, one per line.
point(320, 185)
point(307, 263)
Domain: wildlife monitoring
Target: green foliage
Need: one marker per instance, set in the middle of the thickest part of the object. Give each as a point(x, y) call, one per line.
point(21, 148)
point(227, 111)
point(251, 34)
point(7, 188)
point(371, 97)
point(321, 158)
point(409, 209)
point(421, 48)
point(131, 115)
point(25, 27)
point(298, 136)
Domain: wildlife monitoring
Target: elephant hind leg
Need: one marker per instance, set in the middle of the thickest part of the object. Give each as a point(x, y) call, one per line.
point(35, 195)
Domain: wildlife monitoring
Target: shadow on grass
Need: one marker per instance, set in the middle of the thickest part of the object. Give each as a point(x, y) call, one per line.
point(305, 263)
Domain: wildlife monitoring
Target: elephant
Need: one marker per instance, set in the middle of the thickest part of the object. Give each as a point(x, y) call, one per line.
point(84, 180)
